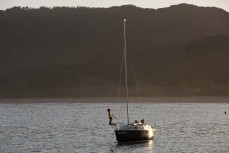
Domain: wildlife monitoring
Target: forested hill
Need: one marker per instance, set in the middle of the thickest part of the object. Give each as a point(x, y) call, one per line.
point(182, 50)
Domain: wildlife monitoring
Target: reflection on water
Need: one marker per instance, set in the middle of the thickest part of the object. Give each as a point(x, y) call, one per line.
point(141, 146)
point(80, 128)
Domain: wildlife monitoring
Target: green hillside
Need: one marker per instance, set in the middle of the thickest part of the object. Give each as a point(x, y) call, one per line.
point(181, 50)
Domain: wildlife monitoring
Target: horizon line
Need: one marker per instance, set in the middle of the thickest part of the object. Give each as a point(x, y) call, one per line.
point(103, 7)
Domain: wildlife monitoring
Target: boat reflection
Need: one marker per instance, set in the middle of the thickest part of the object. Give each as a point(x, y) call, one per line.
point(138, 146)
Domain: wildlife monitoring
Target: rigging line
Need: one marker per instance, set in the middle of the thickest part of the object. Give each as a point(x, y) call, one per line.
point(130, 59)
point(134, 74)
point(120, 78)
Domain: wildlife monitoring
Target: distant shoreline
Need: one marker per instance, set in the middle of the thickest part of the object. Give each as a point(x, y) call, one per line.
point(116, 100)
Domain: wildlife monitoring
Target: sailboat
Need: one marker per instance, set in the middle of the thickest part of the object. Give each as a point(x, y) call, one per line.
point(137, 131)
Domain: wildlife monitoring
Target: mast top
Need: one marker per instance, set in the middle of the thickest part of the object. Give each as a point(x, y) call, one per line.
point(124, 20)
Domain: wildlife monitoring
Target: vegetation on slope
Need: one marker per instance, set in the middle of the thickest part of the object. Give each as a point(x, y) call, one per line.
point(181, 50)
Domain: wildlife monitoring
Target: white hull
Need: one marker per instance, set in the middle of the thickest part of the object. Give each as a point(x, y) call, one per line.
point(134, 132)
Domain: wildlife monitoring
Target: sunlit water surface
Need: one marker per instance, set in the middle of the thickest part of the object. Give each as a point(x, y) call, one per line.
point(83, 127)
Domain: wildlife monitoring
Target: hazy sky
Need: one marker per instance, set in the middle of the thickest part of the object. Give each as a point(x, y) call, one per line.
point(4, 4)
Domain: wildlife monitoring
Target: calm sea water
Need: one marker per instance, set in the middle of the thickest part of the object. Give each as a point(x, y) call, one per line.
point(83, 128)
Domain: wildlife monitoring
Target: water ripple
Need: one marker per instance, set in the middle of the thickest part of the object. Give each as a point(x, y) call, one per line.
point(80, 128)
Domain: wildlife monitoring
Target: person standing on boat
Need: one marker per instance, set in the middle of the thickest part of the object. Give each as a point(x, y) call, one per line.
point(110, 115)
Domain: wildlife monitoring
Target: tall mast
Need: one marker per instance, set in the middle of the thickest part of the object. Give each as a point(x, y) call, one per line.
point(126, 71)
